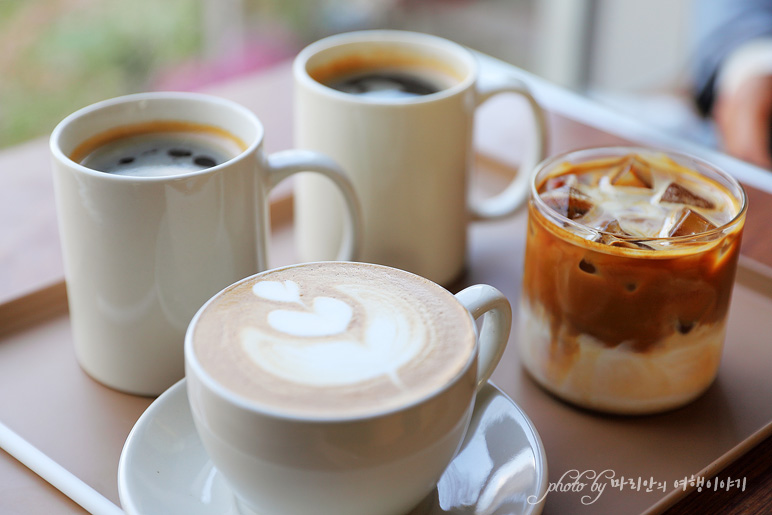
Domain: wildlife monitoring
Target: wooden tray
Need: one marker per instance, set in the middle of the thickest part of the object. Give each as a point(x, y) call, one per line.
point(82, 425)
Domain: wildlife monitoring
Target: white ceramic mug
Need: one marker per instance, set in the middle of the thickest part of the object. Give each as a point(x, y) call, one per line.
point(141, 254)
point(409, 159)
point(385, 462)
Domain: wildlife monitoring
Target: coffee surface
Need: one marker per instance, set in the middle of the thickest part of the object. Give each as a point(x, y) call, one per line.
point(387, 84)
point(158, 149)
point(387, 75)
point(334, 339)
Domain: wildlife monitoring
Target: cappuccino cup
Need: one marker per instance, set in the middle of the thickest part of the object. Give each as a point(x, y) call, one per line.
point(162, 202)
point(396, 110)
point(339, 388)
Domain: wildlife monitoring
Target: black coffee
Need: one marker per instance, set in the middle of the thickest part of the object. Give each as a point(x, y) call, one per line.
point(158, 149)
point(387, 85)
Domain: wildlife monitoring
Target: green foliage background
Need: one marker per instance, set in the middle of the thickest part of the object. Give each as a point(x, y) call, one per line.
point(60, 55)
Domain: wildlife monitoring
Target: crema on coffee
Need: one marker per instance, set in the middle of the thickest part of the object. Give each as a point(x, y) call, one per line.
point(388, 84)
point(334, 339)
point(386, 74)
point(158, 149)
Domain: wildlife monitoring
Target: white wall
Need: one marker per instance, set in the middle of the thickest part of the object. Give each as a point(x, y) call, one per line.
point(640, 45)
point(618, 45)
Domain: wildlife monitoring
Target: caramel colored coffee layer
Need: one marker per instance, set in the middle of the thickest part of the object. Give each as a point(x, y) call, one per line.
point(622, 296)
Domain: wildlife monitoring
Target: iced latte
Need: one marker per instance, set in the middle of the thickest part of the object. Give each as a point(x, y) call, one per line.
point(629, 266)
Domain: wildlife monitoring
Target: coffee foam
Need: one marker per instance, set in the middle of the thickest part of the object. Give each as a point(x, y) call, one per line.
point(334, 339)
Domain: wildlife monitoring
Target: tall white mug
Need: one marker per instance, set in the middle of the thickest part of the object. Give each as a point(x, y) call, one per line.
point(408, 157)
point(142, 254)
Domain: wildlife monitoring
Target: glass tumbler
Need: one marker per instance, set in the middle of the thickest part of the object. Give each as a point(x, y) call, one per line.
point(630, 261)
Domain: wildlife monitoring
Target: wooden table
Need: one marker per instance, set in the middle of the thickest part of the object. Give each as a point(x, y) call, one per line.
point(82, 425)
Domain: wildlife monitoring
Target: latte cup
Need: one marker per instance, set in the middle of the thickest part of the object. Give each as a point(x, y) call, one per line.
point(396, 110)
point(339, 388)
point(142, 253)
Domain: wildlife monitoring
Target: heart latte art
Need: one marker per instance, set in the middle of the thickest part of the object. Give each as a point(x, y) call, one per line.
point(392, 337)
point(338, 338)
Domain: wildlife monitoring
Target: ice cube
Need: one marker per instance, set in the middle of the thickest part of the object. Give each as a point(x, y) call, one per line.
point(561, 181)
point(612, 234)
point(690, 222)
point(678, 194)
point(627, 244)
point(609, 232)
point(641, 225)
point(613, 241)
point(632, 172)
point(569, 202)
point(613, 227)
point(669, 222)
point(589, 178)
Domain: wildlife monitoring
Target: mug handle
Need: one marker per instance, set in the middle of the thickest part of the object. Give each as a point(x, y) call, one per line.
point(288, 162)
point(514, 195)
point(493, 306)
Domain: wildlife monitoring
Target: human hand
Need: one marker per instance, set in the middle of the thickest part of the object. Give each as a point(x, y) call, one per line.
point(743, 118)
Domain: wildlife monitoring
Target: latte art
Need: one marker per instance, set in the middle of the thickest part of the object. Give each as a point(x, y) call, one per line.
point(329, 316)
point(333, 340)
point(390, 338)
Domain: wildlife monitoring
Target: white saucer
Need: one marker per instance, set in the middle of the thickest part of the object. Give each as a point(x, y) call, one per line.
point(165, 470)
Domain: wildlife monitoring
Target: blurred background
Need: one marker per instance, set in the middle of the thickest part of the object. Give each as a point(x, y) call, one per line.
point(60, 55)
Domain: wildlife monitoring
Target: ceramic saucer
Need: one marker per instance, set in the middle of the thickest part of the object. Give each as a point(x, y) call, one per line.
point(164, 469)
